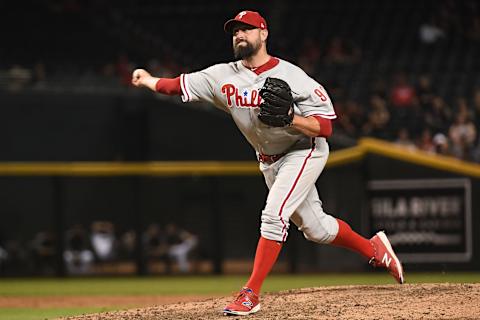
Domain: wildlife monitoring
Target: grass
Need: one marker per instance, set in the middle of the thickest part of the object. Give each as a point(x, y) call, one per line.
point(45, 313)
point(179, 285)
point(183, 285)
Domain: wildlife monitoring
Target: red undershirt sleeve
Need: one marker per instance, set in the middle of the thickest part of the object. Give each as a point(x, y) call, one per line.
point(169, 87)
point(325, 127)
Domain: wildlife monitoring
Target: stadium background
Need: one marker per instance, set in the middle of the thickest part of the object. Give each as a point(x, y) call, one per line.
point(402, 72)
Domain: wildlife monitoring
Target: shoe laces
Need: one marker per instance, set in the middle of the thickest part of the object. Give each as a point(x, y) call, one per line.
point(240, 295)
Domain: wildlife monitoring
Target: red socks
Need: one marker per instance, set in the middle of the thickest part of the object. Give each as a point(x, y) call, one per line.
point(268, 250)
point(265, 257)
point(349, 239)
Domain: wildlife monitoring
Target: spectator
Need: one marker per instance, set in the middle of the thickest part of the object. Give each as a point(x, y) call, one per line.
point(403, 139)
point(425, 92)
point(430, 32)
point(442, 146)
point(462, 107)
point(156, 246)
point(44, 249)
point(378, 119)
point(476, 106)
point(19, 77)
point(127, 245)
point(78, 255)
point(3, 256)
point(439, 116)
point(181, 244)
point(380, 88)
point(19, 259)
point(402, 92)
point(462, 134)
point(103, 239)
point(405, 109)
point(425, 142)
point(351, 118)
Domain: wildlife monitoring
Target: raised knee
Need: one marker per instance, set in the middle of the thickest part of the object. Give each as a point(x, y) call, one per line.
point(320, 235)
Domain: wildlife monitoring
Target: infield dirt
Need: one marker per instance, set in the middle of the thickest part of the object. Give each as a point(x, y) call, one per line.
point(410, 301)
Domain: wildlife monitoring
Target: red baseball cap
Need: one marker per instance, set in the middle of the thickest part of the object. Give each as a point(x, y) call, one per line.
point(251, 18)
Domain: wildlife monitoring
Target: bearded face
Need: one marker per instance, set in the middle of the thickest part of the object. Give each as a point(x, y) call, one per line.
point(244, 48)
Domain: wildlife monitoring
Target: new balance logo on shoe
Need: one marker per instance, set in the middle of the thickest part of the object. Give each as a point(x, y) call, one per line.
point(386, 260)
point(247, 304)
point(385, 256)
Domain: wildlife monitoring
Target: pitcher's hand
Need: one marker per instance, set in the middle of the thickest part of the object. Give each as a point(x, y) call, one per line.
point(140, 77)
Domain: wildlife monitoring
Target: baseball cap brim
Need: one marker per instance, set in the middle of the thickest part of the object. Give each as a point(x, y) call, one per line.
point(228, 26)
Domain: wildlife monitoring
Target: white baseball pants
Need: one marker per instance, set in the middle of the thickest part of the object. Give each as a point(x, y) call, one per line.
point(293, 196)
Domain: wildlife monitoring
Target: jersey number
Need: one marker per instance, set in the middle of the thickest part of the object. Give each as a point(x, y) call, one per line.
point(320, 92)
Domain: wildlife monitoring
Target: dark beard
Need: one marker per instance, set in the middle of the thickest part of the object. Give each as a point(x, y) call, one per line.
point(243, 52)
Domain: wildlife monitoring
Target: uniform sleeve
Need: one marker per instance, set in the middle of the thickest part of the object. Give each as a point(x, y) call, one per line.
point(198, 86)
point(313, 100)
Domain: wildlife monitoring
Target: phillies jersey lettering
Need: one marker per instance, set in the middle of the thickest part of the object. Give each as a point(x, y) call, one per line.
point(235, 89)
point(242, 99)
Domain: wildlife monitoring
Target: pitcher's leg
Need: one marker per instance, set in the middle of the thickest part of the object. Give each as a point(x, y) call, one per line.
point(347, 238)
point(289, 182)
point(320, 227)
point(265, 257)
point(293, 182)
point(316, 225)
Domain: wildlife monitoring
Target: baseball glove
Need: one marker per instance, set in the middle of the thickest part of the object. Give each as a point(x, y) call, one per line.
point(276, 110)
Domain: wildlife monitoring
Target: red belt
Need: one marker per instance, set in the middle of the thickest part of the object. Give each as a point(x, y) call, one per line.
point(264, 158)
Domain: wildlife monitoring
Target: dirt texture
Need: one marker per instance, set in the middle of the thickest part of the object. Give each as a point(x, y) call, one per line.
point(121, 302)
point(411, 301)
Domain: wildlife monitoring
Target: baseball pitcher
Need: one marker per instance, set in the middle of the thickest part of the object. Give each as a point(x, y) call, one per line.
point(286, 116)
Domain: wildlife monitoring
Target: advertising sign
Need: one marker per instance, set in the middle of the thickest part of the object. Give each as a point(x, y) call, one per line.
point(425, 220)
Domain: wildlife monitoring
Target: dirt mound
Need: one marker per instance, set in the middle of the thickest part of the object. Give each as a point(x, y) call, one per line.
point(411, 301)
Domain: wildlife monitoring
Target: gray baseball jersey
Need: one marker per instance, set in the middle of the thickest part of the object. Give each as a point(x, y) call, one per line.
point(234, 88)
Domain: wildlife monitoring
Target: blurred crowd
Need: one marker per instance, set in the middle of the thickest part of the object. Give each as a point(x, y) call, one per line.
point(388, 89)
point(114, 75)
point(102, 249)
point(406, 109)
point(412, 114)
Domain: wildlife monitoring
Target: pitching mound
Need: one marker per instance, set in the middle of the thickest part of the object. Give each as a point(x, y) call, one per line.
point(411, 301)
